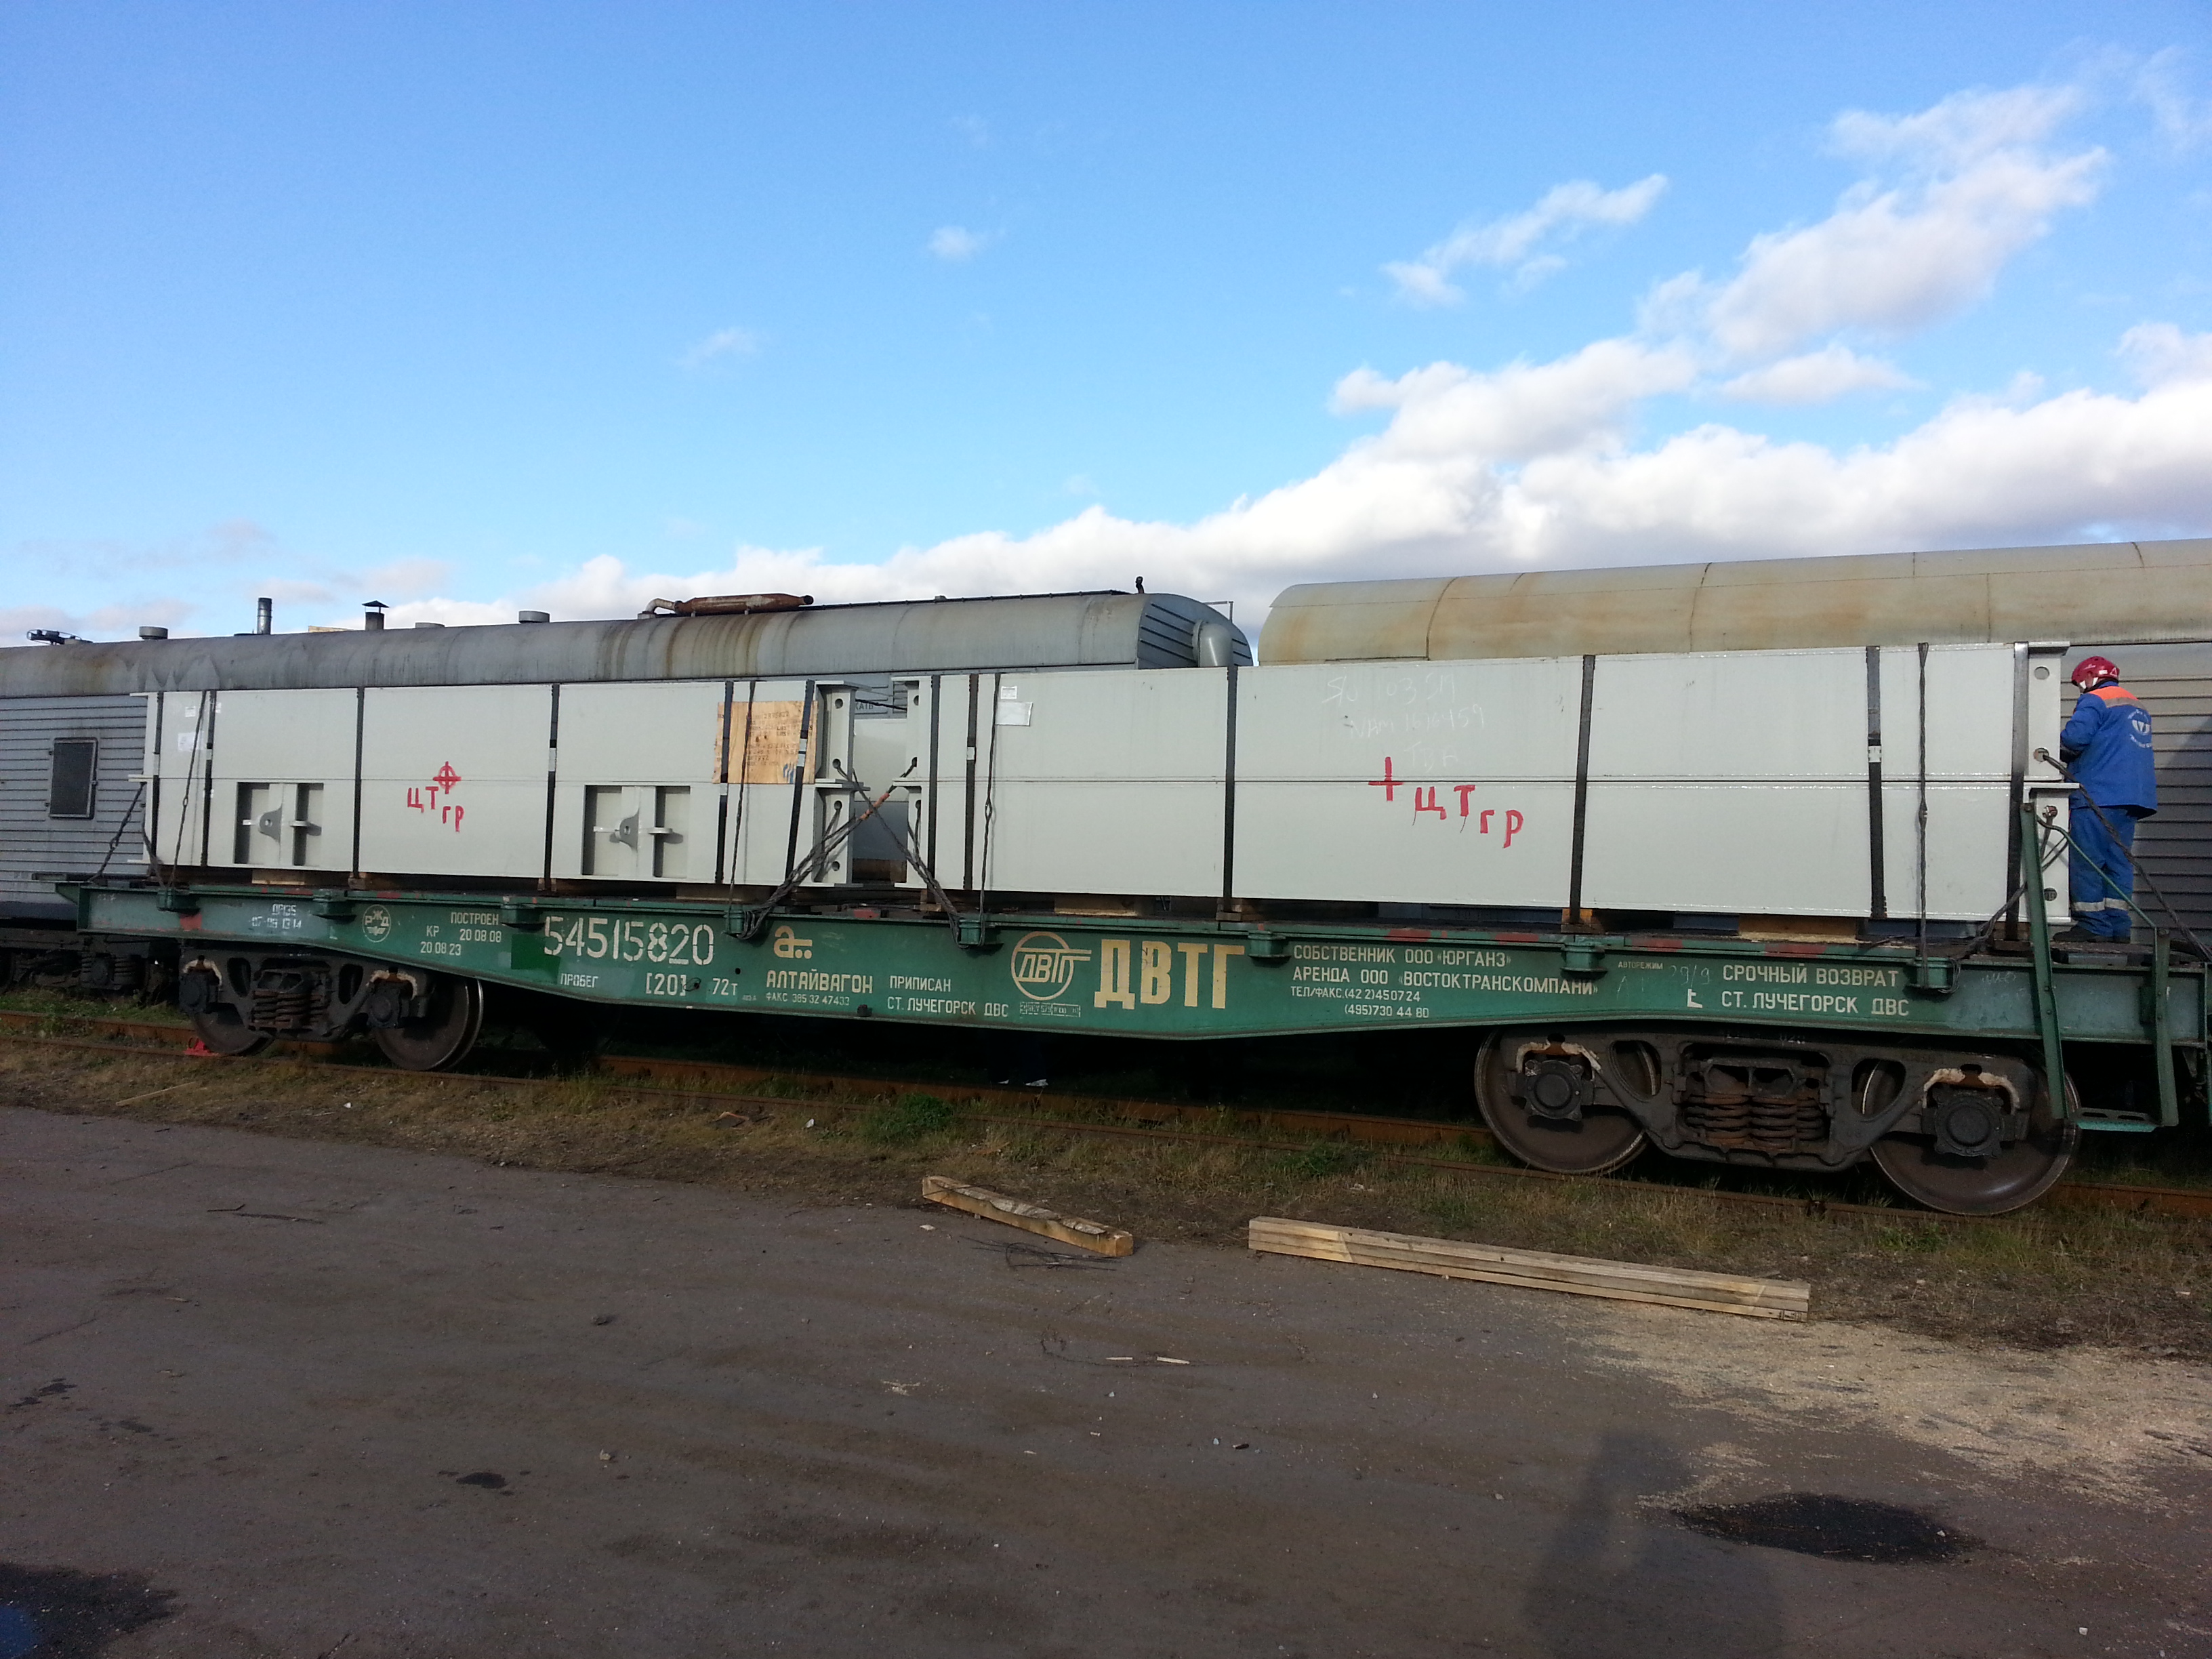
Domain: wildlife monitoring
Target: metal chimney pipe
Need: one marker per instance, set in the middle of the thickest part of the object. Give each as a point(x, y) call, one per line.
point(264, 616)
point(372, 615)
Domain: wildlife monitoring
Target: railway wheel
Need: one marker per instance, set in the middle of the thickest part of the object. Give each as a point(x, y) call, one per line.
point(1555, 1123)
point(225, 1033)
point(222, 1029)
point(2007, 1179)
point(444, 1037)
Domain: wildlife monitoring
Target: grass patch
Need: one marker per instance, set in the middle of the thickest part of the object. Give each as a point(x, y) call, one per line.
point(1323, 1159)
point(909, 1118)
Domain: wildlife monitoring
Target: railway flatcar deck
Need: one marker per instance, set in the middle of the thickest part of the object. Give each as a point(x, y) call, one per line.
point(1787, 1054)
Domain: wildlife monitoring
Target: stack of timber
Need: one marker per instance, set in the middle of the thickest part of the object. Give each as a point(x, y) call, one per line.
point(1029, 1217)
point(1623, 1281)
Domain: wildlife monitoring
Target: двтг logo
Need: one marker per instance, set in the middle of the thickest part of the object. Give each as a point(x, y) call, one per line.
point(1044, 966)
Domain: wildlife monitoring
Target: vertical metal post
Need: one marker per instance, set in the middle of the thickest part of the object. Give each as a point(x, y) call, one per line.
point(553, 783)
point(936, 699)
point(264, 616)
point(2013, 865)
point(1574, 916)
point(1920, 823)
point(1229, 795)
point(799, 779)
point(968, 830)
point(360, 729)
point(2046, 994)
point(2161, 1030)
point(1877, 855)
point(722, 799)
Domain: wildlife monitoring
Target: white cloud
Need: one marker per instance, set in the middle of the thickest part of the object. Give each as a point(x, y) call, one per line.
point(956, 245)
point(407, 578)
point(1455, 484)
point(1564, 213)
point(2160, 353)
point(1523, 409)
point(2185, 120)
point(1978, 187)
point(1816, 377)
point(723, 345)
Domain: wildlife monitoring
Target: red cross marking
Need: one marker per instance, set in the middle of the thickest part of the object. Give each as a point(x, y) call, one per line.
point(445, 777)
point(1386, 783)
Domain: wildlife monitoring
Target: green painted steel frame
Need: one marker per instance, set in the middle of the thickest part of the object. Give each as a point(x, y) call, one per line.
point(1166, 979)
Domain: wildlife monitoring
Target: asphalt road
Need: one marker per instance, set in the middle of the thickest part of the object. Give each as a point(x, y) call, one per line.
point(273, 1397)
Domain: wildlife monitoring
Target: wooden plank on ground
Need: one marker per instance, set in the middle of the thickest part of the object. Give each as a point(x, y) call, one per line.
point(1029, 1217)
point(1624, 1281)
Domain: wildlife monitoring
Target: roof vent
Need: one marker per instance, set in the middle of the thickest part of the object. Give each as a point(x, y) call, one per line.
point(429, 624)
point(153, 633)
point(727, 605)
point(372, 614)
point(533, 615)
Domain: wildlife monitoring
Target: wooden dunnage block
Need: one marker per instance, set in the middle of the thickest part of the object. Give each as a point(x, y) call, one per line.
point(1577, 1275)
point(1029, 1217)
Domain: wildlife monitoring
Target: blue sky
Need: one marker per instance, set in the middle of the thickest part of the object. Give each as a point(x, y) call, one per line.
point(463, 307)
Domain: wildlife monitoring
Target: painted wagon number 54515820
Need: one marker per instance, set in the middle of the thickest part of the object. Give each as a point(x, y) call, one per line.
point(620, 939)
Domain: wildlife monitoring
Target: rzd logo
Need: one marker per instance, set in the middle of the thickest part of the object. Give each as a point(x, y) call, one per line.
point(376, 922)
point(1044, 966)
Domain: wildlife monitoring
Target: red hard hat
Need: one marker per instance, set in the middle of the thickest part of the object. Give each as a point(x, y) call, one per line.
point(2095, 671)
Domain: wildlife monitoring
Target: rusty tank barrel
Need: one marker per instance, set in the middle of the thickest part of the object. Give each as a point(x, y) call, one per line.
point(1036, 630)
point(2112, 592)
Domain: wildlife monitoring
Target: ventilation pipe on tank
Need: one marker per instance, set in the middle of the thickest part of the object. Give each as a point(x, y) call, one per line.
point(1213, 641)
point(264, 616)
point(533, 617)
point(372, 615)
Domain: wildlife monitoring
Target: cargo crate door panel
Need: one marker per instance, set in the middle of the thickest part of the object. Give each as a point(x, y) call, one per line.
point(1424, 783)
point(1968, 828)
point(1969, 766)
point(1740, 783)
point(1106, 783)
point(180, 730)
point(1734, 783)
point(283, 763)
point(637, 780)
point(454, 781)
point(1777, 849)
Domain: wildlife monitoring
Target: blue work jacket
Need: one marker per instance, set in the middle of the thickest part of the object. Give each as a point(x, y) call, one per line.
point(2106, 746)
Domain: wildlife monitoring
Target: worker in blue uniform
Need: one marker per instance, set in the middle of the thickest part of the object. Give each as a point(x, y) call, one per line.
point(2106, 747)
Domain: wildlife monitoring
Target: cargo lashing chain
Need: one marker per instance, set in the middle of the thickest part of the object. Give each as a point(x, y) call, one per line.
point(752, 922)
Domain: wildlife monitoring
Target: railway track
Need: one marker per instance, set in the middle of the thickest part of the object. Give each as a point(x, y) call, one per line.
point(1155, 1120)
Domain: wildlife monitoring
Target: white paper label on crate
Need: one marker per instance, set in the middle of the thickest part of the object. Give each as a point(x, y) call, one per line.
point(1015, 714)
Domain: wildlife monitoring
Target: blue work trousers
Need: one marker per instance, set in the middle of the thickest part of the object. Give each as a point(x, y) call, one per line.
point(2103, 878)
